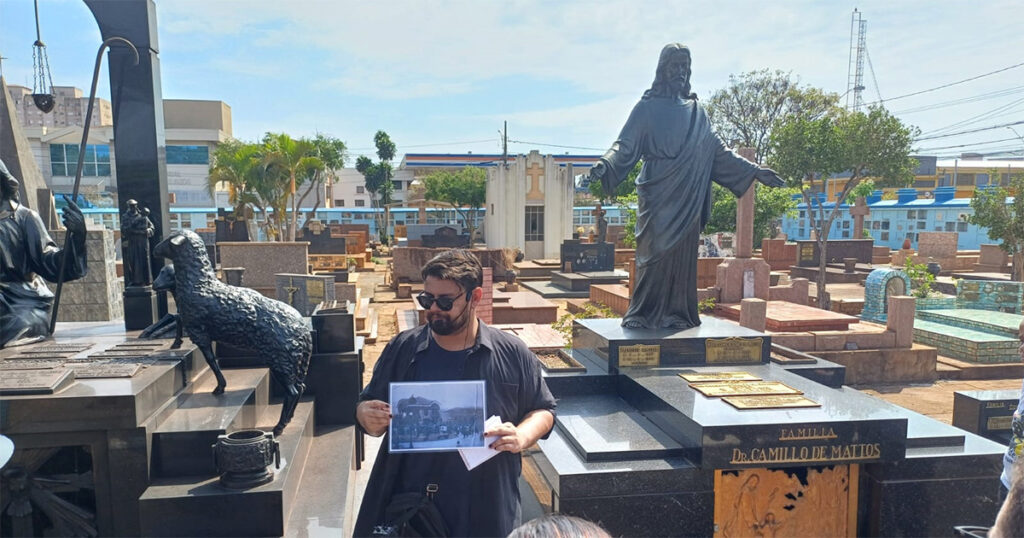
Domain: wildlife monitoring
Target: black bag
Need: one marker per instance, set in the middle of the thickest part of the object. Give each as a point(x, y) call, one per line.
point(414, 515)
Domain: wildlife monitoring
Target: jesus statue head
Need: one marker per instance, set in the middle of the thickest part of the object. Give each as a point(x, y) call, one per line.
point(672, 79)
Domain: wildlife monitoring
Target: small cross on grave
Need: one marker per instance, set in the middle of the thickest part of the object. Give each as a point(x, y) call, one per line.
point(535, 172)
point(858, 211)
point(291, 289)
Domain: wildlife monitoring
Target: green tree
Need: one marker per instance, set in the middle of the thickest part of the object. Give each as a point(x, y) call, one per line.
point(861, 145)
point(1004, 217)
point(464, 189)
point(769, 206)
point(746, 111)
point(296, 161)
point(332, 153)
point(378, 179)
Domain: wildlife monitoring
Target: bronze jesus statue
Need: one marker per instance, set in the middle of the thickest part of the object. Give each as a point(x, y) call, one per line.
point(681, 155)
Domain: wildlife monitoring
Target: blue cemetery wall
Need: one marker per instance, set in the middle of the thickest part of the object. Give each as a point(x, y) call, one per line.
point(892, 221)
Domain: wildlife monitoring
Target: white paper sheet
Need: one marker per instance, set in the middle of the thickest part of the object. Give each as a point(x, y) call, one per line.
point(473, 457)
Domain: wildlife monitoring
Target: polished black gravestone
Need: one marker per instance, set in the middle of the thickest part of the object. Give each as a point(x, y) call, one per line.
point(714, 342)
point(587, 257)
point(807, 254)
point(986, 412)
point(445, 237)
point(321, 240)
point(581, 281)
point(639, 450)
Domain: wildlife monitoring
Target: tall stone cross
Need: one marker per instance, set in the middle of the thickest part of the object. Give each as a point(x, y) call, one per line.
point(535, 172)
point(745, 214)
point(858, 211)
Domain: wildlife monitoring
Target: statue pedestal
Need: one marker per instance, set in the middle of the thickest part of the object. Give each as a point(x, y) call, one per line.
point(714, 342)
point(140, 308)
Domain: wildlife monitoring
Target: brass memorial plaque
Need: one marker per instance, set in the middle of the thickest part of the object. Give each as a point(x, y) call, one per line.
point(743, 388)
point(107, 369)
point(770, 402)
point(315, 291)
point(999, 423)
point(640, 355)
point(35, 381)
point(710, 377)
point(733, 350)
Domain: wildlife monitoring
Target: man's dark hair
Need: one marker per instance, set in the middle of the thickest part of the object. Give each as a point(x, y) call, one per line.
point(662, 86)
point(458, 265)
point(559, 526)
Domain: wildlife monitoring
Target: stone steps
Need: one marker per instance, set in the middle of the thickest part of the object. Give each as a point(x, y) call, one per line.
point(181, 443)
point(200, 506)
point(966, 344)
point(988, 321)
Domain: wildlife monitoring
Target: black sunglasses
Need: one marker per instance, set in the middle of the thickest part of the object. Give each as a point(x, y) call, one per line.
point(444, 303)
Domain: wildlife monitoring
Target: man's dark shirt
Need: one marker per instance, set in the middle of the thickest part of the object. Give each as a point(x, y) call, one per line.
point(445, 469)
point(514, 389)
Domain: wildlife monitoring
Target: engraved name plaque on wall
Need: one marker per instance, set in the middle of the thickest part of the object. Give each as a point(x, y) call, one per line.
point(639, 355)
point(733, 350)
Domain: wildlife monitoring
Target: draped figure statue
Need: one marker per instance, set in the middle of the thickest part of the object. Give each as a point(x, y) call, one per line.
point(681, 155)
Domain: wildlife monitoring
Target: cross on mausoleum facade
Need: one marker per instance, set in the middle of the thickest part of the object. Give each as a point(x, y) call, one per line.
point(535, 172)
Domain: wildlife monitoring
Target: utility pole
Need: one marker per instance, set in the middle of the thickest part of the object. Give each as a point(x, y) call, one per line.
point(504, 145)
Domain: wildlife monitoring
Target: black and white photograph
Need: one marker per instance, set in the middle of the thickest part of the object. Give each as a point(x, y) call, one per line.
point(437, 416)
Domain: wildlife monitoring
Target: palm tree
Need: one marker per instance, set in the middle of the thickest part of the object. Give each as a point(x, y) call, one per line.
point(295, 160)
point(236, 166)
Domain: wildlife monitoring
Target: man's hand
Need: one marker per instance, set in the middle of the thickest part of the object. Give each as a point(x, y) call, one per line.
point(74, 221)
point(510, 439)
point(597, 171)
point(769, 178)
point(374, 416)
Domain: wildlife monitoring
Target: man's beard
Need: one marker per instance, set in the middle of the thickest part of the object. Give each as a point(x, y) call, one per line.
point(444, 325)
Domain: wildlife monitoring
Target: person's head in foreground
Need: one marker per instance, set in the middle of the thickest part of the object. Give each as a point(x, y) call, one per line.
point(559, 526)
point(452, 287)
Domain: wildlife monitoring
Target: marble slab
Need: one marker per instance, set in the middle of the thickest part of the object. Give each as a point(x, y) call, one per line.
point(602, 428)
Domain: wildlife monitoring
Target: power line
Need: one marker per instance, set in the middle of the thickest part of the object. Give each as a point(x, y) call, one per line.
point(962, 100)
point(432, 145)
point(969, 145)
point(970, 131)
point(979, 117)
point(950, 84)
point(555, 145)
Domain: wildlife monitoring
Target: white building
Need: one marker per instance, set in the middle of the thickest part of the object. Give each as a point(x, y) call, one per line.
point(349, 188)
point(529, 204)
point(192, 129)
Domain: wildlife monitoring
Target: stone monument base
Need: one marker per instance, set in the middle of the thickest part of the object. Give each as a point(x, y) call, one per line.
point(140, 307)
point(714, 342)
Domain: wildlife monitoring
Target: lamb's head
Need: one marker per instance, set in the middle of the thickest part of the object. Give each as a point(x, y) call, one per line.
point(164, 280)
point(185, 249)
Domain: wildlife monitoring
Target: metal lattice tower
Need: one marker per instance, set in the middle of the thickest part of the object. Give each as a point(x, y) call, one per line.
point(855, 67)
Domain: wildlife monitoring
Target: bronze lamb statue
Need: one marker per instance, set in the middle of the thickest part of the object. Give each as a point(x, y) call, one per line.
point(210, 310)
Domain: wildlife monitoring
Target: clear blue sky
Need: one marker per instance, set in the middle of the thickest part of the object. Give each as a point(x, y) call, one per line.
point(442, 76)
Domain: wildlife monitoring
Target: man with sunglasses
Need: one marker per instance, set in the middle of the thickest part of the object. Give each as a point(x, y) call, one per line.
point(455, 345)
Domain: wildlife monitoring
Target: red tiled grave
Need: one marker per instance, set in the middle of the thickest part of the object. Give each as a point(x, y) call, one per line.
point(786, 316)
